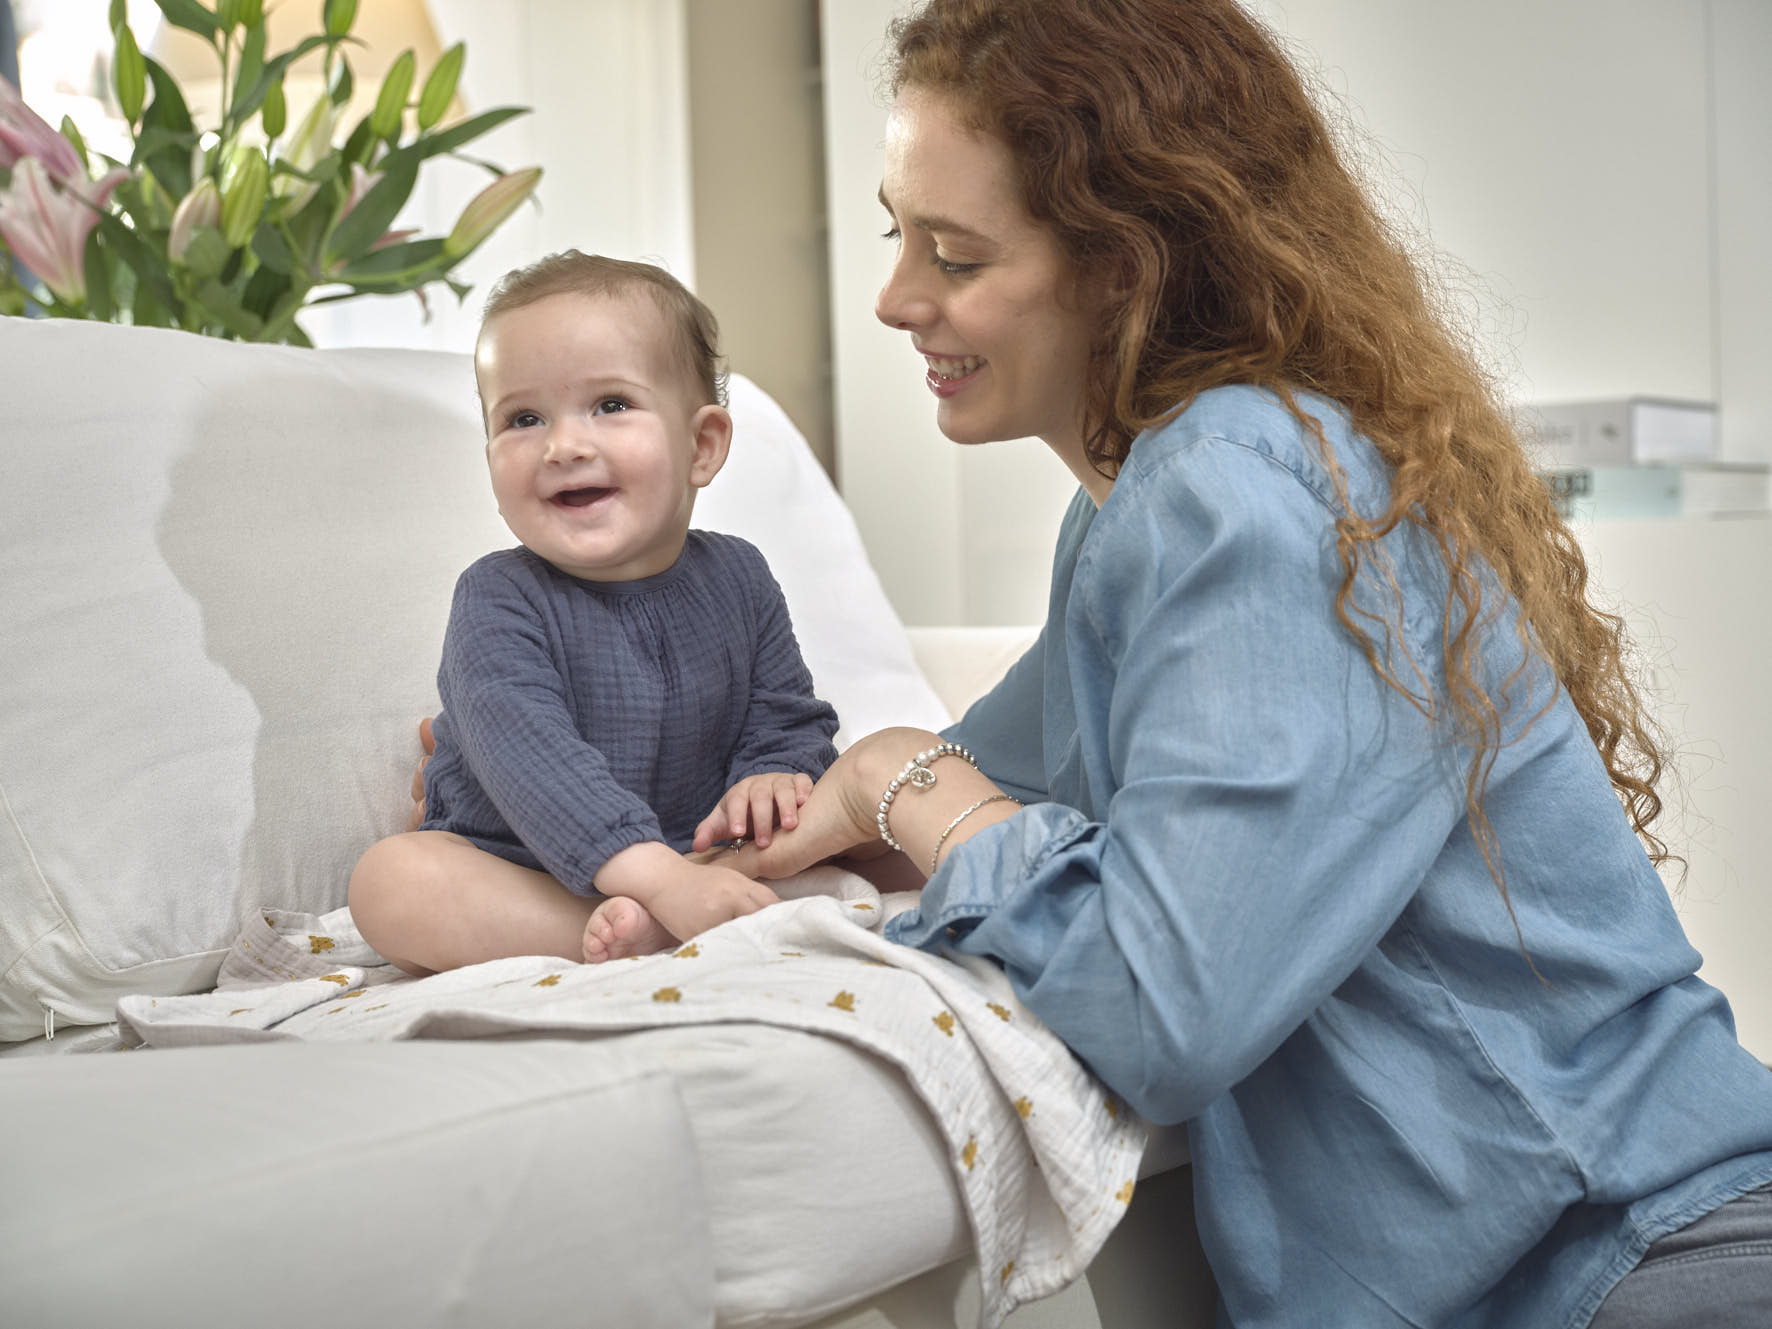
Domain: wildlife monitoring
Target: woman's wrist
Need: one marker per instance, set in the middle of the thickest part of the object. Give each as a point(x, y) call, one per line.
point(925, 817)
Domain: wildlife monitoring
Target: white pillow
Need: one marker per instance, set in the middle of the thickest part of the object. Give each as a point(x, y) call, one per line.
point(224, 575)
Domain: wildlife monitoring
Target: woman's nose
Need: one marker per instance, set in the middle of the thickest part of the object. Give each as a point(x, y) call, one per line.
point(900, 305)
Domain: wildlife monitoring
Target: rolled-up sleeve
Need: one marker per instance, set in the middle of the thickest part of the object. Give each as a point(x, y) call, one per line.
point(1258, 806)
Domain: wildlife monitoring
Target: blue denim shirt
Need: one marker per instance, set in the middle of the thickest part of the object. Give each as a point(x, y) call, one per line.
point(1245, 891)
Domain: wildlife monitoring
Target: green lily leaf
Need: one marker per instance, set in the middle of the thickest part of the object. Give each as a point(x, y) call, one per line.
point(190, 16)
point(344, 83)
point(263, 290)
point(98, 280)
point(227, 13)
point(223, 306)
point(395, 264)
point(271, 75)
point(246, 77)
point(71, 132)
point(375, 211)
point(429, 145)
point(150, 269)
point(208, 252)
point(168, 109)
point(358, 145)
point(273, 250)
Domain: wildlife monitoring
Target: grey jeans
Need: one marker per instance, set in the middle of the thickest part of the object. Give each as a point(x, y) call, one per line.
point(1713, 1274)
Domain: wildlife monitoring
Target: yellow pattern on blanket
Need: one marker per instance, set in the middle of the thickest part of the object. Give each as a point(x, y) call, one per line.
point(1042, 1188)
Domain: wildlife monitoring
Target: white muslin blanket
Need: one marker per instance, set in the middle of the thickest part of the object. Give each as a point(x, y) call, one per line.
point(1045, 1156)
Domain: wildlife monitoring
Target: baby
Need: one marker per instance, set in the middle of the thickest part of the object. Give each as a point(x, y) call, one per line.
point(617, 683)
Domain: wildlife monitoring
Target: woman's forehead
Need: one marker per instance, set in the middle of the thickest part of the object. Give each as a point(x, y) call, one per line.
point(939, 169)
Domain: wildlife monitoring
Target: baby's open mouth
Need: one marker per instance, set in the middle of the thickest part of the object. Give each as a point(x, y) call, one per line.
point(579, 498)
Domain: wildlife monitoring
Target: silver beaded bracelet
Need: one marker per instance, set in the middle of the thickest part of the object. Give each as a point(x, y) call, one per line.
point(935, 854)
point(916, 772)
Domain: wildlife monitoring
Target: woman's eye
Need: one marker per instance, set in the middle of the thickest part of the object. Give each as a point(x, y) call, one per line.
point(955, 269)
point(610, 405)
point(891, 234)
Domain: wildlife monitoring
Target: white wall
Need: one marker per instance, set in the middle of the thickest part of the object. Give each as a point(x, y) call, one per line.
point(1694, 595)
point(607, 82)
point(1560, 150)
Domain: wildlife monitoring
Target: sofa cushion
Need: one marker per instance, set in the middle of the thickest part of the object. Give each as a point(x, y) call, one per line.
point(224, 576)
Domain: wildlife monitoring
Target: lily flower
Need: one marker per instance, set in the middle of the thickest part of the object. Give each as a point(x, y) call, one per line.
point(24, 133)
point(46, 227)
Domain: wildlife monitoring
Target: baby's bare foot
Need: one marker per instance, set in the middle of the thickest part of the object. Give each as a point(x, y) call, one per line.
point(621, 927)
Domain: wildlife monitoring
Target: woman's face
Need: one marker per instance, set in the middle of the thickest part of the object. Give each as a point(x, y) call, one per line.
point(987, 296)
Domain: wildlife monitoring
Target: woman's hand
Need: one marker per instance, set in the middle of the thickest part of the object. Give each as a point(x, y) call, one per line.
point(838, 816)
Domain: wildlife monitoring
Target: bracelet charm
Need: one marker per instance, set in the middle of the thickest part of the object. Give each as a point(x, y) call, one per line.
point(915, 772)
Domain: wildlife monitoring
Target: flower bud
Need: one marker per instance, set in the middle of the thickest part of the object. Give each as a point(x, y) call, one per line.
point(274, 114)
point(338, 15)
point(439, 88)
point(243, 200)
point(488, 209)
point(201, 207)
point(390, 102)
point(130, 74)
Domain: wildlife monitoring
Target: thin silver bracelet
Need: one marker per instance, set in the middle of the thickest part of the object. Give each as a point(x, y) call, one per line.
point(916, 772)
point(935, 856)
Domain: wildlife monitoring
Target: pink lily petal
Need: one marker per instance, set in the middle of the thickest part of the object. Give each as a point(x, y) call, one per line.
point(393, 238)
point(46, 228)
point(24, 133)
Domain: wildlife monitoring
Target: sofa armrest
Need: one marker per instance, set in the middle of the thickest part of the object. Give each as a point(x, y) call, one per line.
point(962, 663)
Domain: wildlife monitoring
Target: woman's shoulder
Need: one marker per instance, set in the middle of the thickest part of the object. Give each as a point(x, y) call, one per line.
point(1246, 440)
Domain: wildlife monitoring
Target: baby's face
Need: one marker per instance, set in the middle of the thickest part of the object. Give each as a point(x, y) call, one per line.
point(591, 433)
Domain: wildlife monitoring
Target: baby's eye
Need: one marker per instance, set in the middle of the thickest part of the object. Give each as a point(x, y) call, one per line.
point(524, 419)
point(610, 405)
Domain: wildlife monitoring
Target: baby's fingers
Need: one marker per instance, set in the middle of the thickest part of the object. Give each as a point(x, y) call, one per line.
point(763, 810)
point(787, 803)
point(712, 829)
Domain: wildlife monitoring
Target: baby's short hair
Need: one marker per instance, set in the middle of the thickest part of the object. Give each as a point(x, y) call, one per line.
point(574, 273)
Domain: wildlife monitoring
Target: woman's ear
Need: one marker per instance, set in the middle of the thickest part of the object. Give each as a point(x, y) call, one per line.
point(711, 433)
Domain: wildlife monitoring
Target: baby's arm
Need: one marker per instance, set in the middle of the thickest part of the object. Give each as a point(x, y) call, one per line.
point(787, 727)
point(754, 807)
point(686, 897)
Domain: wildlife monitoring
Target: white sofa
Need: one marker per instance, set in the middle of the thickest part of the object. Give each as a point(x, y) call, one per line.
point(224, 572)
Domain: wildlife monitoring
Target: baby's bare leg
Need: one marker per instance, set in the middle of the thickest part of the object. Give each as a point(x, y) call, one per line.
point(620, 927)
point(429, 900)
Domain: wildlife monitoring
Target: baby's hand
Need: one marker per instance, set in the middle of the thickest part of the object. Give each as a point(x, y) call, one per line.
point(754, 807)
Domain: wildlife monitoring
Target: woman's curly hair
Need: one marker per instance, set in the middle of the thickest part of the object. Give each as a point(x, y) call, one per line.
point(1178, 157)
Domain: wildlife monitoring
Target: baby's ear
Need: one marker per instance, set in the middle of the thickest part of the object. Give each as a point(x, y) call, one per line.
point(712, 436)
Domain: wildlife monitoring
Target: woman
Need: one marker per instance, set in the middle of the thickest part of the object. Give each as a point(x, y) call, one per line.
point(1319, 816)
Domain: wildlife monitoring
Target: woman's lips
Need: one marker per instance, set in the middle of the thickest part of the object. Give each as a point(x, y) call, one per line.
point(950, 374)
